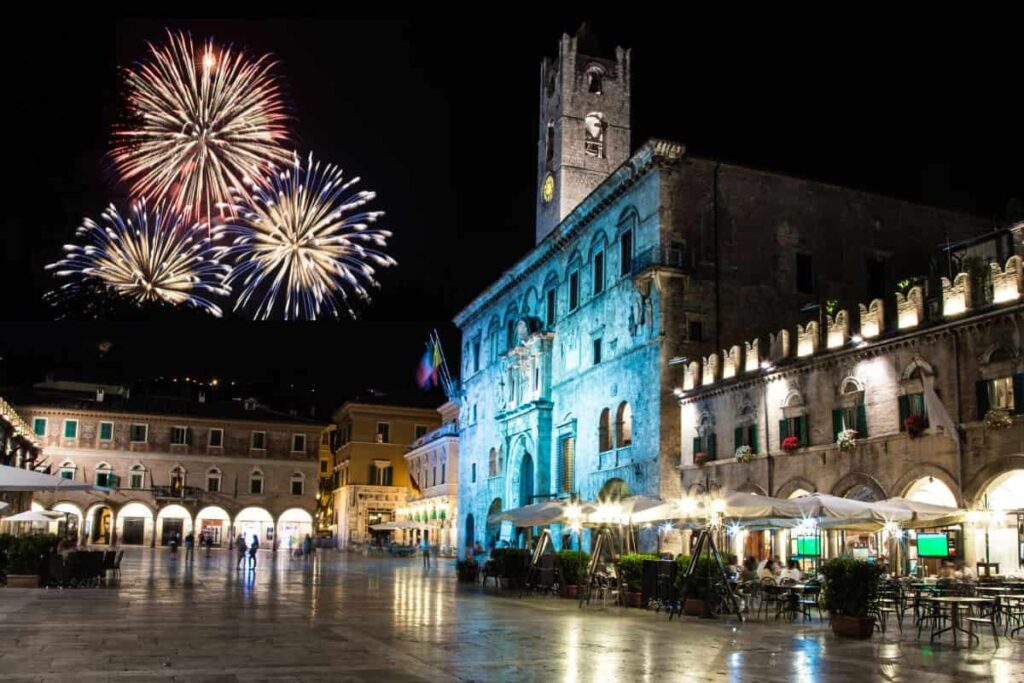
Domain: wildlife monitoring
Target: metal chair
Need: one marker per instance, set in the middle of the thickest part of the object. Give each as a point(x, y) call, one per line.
point(985, 615)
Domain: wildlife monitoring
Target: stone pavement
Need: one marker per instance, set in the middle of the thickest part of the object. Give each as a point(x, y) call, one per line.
point(351, 618)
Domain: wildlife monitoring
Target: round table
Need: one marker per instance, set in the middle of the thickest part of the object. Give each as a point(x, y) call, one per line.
point(956, 602)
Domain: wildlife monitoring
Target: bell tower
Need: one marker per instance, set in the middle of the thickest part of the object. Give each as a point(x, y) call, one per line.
point(583, 131)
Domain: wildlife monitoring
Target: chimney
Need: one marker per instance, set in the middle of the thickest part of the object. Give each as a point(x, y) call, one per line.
point(99, 395)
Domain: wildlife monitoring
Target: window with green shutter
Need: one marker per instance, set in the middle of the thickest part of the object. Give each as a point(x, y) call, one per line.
point(70, 429)
point(912, 404)
point(39, 426)
point(106, 431)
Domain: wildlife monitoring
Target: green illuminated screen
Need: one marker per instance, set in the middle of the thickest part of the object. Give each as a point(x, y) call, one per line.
point(808, 546)
point(932, 545)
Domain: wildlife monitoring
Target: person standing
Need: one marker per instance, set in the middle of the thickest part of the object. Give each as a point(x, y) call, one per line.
point(240, 545)
point(253, 547)
point(190, 549)
point(425, 549)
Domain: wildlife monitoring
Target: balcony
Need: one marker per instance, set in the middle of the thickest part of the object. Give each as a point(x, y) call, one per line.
point(676, 258)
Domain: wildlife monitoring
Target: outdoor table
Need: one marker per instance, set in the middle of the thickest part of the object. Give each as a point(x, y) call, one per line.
point(956, 602)
point(790, 592)
point(995, 589)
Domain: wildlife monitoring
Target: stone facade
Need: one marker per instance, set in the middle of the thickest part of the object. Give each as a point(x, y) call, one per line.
point(371, 477)
point(433, 463)
point(175, 467)
point(973, 362)
point(656, 267)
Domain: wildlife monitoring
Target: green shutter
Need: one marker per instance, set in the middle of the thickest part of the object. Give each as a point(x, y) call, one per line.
point(801, 423)
point(70, 429)
point(696, 445)
point(783, 430)
point(713, 455)
point(1018, 391)
point(737, 437)
point(862, 421)
point(753, 438)
point(981, 394)
point(837, 423)
point(904, 406)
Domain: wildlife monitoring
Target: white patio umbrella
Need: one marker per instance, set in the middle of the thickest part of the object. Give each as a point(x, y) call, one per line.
point(538, 514)
point(16, 479)
point(33, 516)
point(393, 526)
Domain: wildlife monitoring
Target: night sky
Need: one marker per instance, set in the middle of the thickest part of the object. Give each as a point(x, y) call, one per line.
point(440, 118)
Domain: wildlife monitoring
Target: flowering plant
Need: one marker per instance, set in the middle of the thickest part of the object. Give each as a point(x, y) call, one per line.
point(744, 454)
point(847, 439)
point(699, 457)
point(790, 443)
point(915, 426)
point(998, 418)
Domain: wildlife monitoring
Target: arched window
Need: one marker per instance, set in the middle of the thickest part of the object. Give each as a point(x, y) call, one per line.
point(298, 483)
point(67, 470)
point(137, 477)
point(567, 463)
point(213, 477)
point(594, 125)
point(177, 477)
point(624, 425)
point(595, 80)
point(706, 442)
point(604, 431)
point(104, 475)
point(256, 482)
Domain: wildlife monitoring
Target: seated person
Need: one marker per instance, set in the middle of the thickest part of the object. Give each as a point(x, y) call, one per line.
point(749, 571)
point(947, 571)
point(792, 572)
point(764, 570)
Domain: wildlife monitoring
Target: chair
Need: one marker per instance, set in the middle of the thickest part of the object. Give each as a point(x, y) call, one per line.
point(984, 616)
point(891, 600)
point(107, 566)
point(934, 613)
point(770, 596)
point(490, 571)
point(810, 599)
point(1012, 610)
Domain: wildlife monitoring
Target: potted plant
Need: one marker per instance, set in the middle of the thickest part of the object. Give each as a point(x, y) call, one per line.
point(744, 454)
point(846, 440)
point(512, 565)
point(572, 566)
point(997, 419)
point(28, 559)
point(790, 444)
point(915, 426)
point(466, 570)
point(699, 458)
point(848, 593)
point(631, 577)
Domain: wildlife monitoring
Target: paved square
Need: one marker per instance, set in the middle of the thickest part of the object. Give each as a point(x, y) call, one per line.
point(350, 618)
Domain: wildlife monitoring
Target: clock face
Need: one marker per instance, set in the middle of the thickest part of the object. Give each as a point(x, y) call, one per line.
point(547, 190)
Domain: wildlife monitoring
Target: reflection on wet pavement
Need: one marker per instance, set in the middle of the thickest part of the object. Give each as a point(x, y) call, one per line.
point(343, 617)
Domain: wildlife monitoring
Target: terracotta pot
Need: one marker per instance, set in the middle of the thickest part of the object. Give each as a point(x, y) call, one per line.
point(570, 591)
point(634, 599)
point(693, 607)
point(853, 627)
point(23, 581)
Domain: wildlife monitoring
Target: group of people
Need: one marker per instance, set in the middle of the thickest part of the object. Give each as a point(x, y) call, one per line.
point(247, 550)
point(205, 541)
point(752, 570)
point(958, 571)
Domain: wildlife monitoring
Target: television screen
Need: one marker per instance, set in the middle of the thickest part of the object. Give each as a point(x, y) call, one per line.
point(808, 546)
point(932, 545)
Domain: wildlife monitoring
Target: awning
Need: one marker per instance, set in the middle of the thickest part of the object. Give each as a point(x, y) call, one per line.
point(16, 479)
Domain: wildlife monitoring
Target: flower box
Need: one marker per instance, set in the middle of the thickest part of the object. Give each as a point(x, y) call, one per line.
point(791, 443)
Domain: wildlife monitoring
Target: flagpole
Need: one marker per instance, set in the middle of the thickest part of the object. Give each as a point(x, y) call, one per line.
point(449, 388)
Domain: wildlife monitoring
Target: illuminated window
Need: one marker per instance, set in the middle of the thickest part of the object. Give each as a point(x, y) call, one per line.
point(604, 431)
point(624, 425)
point(567, 464)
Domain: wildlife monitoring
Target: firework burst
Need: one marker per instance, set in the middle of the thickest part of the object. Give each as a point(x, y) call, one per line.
point(303, 243)
point(202, 122)
point(151, 256)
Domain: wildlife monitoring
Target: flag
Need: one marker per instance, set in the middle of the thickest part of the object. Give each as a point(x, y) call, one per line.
point(938, 416)
point(415, 484)
point(430, 364)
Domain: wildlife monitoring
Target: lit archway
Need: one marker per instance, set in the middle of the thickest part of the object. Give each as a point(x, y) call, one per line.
point(213, 524)
point(173, 523)
point(293, 526)
point(73, 515)
point(135, 524)
point(99, 524)
point(1003, 495)
point(492, 531)
point(931, 490)
point(255, 522)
